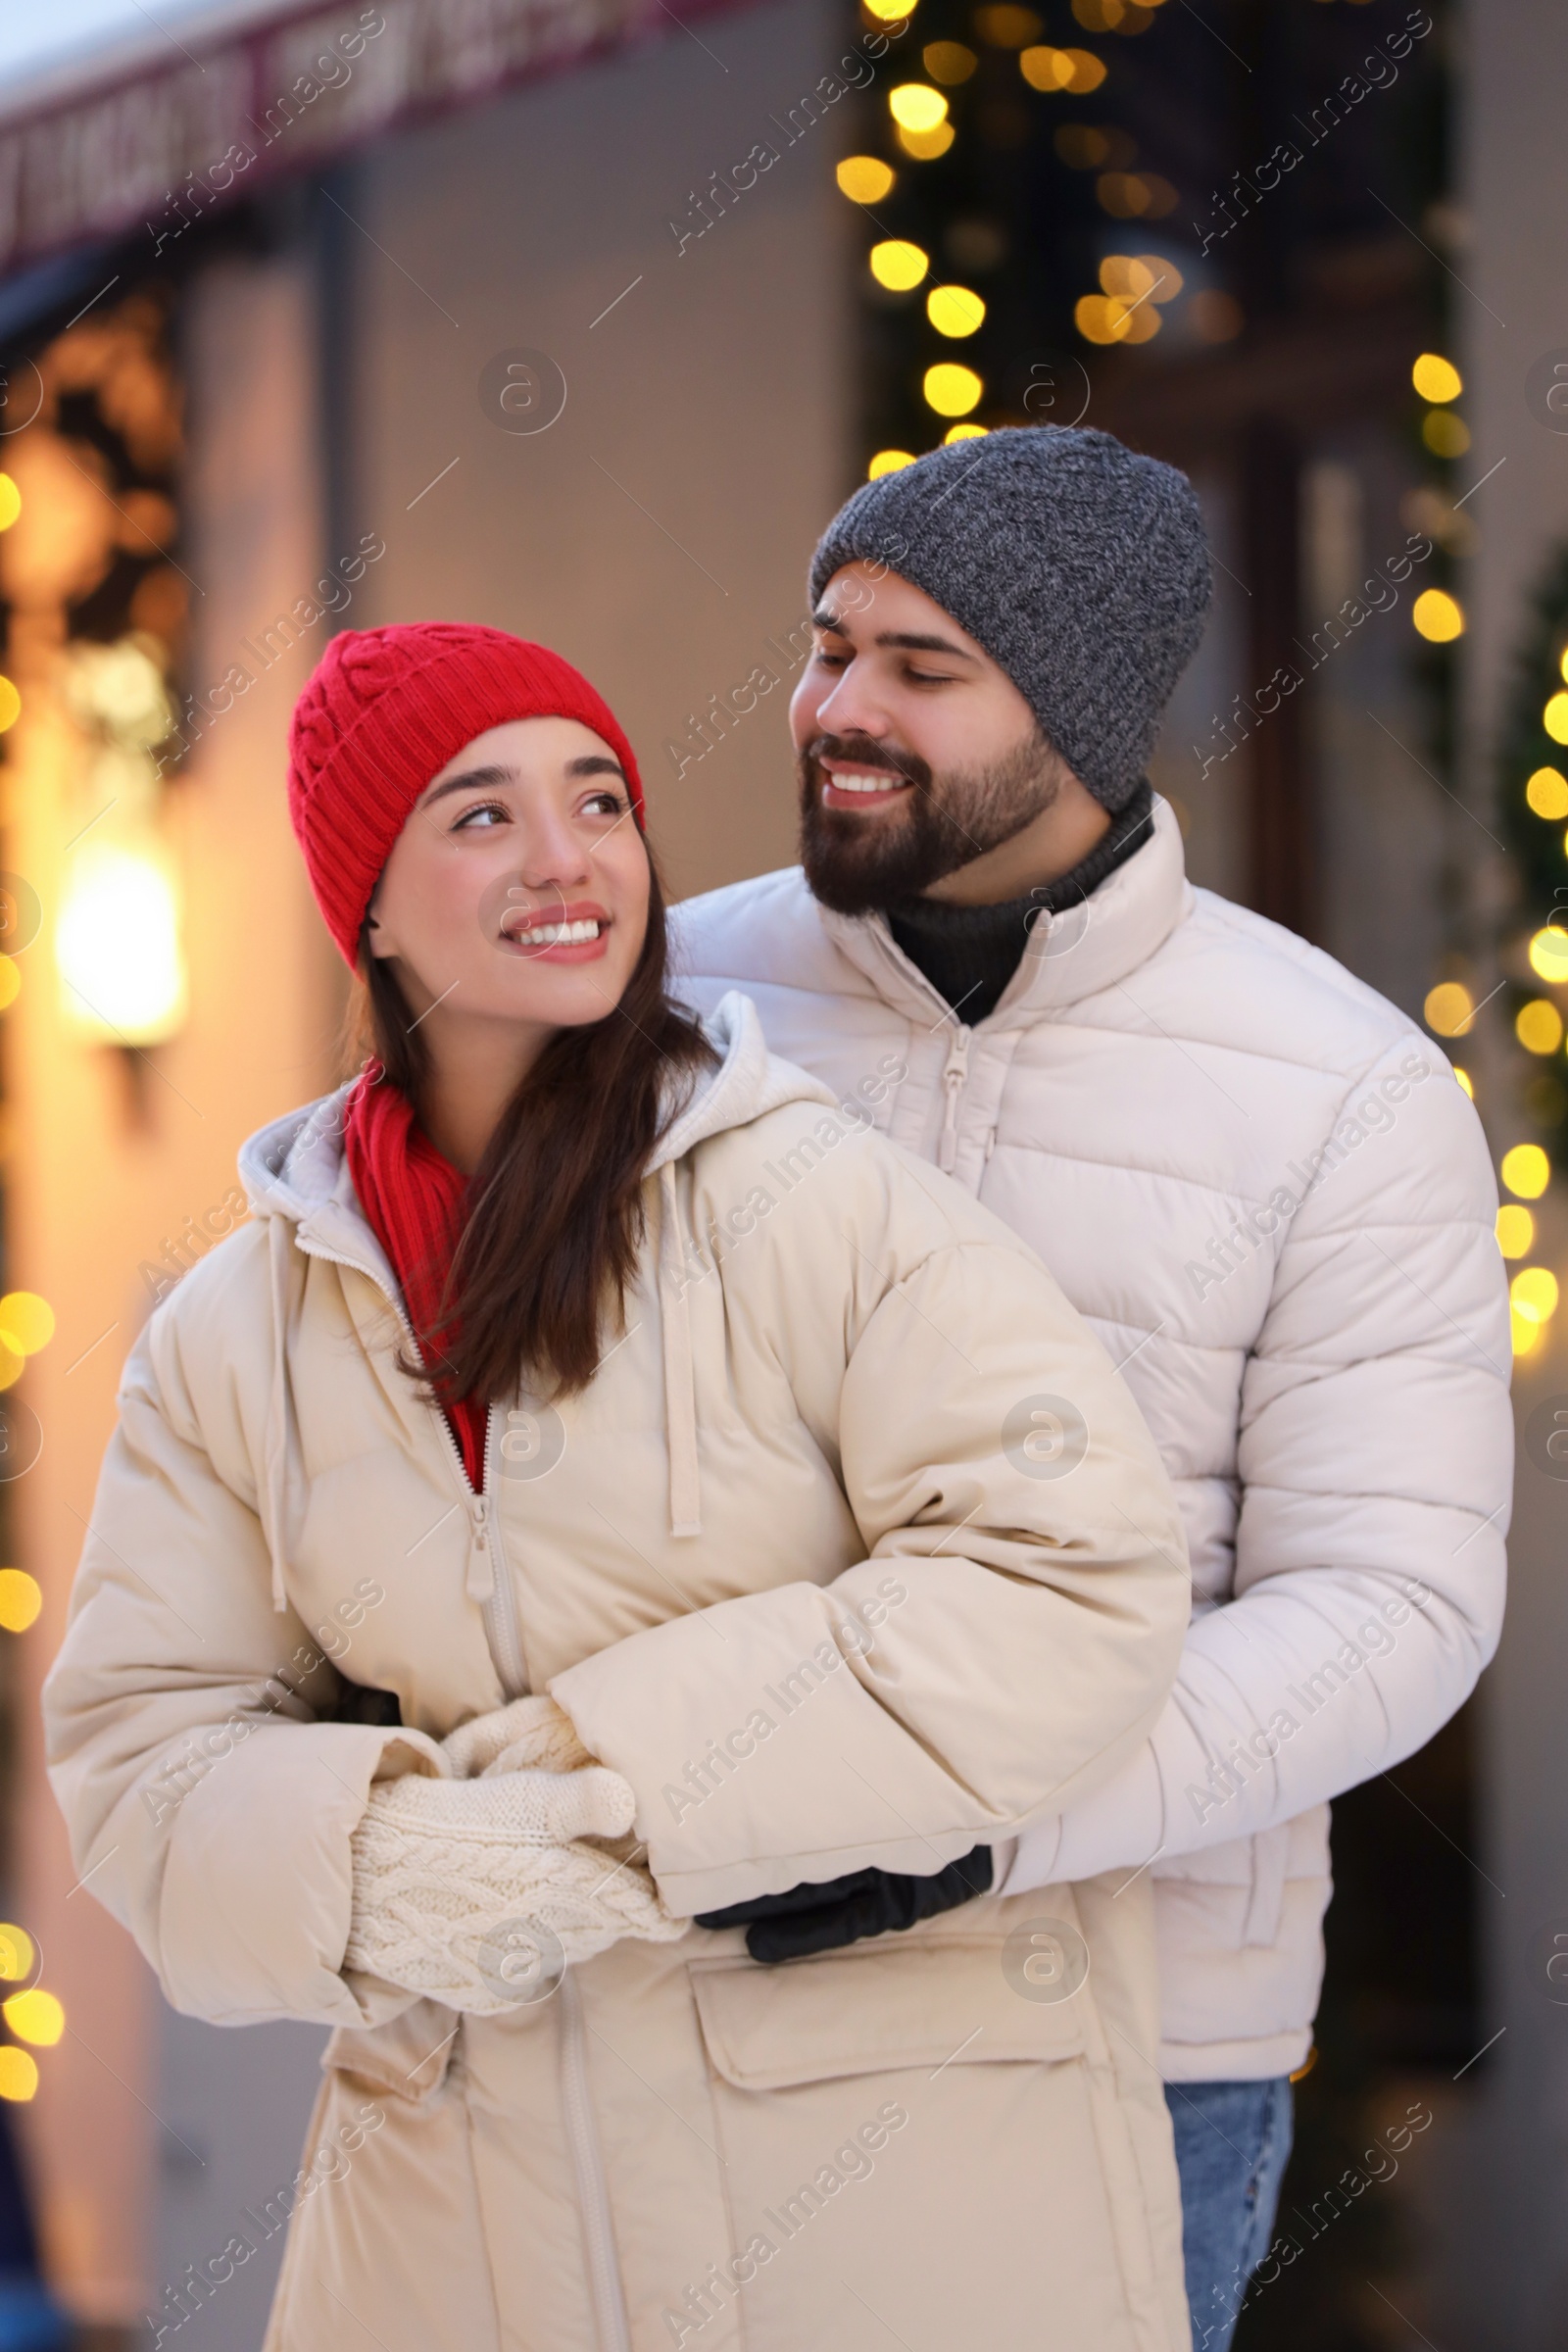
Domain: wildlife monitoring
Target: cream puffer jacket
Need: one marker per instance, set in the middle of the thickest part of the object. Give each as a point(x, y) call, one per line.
point(846, 1398)
point(1259, 1183)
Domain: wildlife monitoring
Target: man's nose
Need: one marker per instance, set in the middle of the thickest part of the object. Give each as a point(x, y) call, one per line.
point(855, 706)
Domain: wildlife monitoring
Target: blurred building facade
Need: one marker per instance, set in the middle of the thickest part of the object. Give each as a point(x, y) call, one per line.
point(510, 320)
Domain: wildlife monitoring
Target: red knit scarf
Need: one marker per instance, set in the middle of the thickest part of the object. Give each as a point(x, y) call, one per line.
point(416, 1202)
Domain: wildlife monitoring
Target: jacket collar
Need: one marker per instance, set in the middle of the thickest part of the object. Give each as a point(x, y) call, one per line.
point(297, 1169)
point(1069, 956)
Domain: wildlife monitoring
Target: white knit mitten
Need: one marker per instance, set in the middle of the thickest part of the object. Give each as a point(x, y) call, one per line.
point(478, 1894)
point(529, 1734)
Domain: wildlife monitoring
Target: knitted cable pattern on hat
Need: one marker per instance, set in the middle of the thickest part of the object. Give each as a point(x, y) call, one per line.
point(383, 712)
point(1081, 567)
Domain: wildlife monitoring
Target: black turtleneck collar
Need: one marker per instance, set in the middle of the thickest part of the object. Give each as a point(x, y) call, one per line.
point(969, 953)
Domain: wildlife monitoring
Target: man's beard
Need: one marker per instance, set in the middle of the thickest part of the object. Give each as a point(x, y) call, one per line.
point(864, 864)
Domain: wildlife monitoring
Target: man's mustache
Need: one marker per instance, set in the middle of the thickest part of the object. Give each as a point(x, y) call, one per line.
point(865, 754)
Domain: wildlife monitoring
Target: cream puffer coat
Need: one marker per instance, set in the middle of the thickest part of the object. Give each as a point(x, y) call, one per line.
point(1258, 1182)
point(846, 1398)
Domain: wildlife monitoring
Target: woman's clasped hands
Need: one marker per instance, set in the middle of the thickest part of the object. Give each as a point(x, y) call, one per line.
point(477, 1885)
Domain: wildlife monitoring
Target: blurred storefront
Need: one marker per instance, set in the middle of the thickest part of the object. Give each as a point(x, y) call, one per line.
point(580, 319)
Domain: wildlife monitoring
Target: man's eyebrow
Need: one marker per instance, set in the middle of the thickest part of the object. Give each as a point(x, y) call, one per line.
point(907, 640)
point(915, 644)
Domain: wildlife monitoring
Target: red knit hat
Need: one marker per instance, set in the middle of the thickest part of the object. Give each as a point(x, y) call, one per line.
point(383, 712)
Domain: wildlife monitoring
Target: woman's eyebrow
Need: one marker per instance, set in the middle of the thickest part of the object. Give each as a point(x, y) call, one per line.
point(596, 763)
point(473, 779)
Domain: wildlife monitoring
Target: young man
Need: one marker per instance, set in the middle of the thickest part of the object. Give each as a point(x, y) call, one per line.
point(1258, 1180)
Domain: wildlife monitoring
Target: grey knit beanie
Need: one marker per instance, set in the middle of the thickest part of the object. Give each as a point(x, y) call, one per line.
point(1080, 567)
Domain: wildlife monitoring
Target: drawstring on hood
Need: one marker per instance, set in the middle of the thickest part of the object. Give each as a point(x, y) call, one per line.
point(283, 1426)
point(296, 1176)
point(680, 1385)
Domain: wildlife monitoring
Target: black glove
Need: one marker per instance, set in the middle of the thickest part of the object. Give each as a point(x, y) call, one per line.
point(823, 1917)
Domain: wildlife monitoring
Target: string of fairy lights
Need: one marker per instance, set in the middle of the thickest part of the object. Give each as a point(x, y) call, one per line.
point(1535, 804)
point(991, 79)
point(1139, 291)
point(26, 1324)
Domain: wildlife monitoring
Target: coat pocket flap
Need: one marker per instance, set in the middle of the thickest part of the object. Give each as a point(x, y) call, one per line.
point(407, 2058)
point(873, 2009)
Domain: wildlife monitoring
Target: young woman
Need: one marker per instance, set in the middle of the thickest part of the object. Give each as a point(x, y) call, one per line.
point(606, 1482)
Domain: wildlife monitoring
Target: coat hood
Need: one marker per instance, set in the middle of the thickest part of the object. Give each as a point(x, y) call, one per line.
point(295, 1167)
point(296, 1176)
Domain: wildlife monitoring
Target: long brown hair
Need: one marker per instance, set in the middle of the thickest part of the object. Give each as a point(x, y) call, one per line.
point(556, 1205)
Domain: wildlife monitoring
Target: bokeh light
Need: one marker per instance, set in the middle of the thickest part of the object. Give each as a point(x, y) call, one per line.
point(1516, 1230)
point(1438, 616)
point(952, 390)
point(915, 105)
point(955, 310)
point(1548, 954)
point(35, 2017)
point(1448, 1008)
point(19, 2074)
point(866, 179)
point(1444, 434)
point(1525, 1171)
point(1548, 792)
point(1538, 1026)
point(898, 264)
point(20, 1599)
point(1434, 378)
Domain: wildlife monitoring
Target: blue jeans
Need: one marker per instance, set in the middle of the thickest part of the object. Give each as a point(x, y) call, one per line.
point(1233, 2141)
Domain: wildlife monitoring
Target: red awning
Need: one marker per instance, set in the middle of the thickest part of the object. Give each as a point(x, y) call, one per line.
point(165, 131)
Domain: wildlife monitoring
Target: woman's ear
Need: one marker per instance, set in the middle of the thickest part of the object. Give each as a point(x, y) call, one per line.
point(378, 938)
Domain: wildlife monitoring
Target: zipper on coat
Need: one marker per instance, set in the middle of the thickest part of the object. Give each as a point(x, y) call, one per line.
point(954, 1071)
point(610, 2328)
point(500, 1612)
point(487, 1578)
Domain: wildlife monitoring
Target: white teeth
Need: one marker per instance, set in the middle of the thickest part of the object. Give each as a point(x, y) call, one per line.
point(558, 935)
point(883, 781)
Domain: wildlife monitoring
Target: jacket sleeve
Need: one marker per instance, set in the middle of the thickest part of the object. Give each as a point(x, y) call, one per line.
point(207, 1809)
point(1008, 1639)
point(1376, 1462)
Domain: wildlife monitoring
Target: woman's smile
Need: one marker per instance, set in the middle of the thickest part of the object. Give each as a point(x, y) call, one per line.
point(578, 933)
